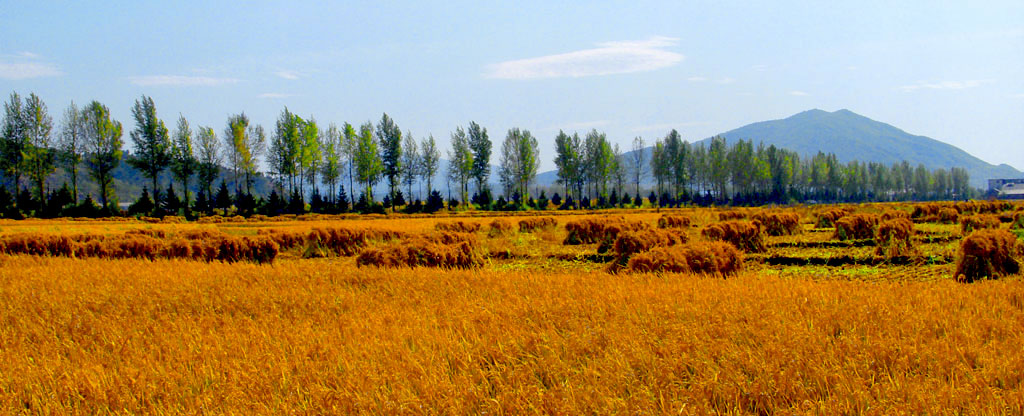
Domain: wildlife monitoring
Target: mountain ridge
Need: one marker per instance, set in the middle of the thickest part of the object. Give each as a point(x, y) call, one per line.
point(851, 136)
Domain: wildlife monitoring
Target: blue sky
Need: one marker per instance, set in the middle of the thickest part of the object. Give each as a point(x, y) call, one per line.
point(952, 71)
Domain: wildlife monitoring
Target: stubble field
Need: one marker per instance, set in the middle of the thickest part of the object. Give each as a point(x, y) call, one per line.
point(325, 315)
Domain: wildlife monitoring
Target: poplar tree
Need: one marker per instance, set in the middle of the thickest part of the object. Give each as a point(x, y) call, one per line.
point(430, 159)
point(72, 144)
point(481, 146)
point(152, 143)
point(332, 160)
point(460, 162)
point(183, 158)
point(14, 140)
point(103, 148)
point(39, 155)
point(369, 166)
point(209, 158)
point(389, 138)
point(410, 162)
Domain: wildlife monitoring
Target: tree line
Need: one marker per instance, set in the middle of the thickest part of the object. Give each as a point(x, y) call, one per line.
point(304, 159)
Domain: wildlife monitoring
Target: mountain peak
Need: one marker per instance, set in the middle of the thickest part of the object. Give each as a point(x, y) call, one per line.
point(851, 136)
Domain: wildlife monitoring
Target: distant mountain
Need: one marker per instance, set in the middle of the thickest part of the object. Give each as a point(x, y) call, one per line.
point(851, 136)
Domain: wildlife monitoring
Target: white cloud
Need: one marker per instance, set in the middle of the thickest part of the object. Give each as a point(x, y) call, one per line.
point(25, 65)
point(697, 79)
point(945, 85)
point(726, 80)
point(26, 70)
point(759, 67)
point(180, 81)
point(275, 95)
point(1018, 96)
point(608, 58)
point(288, 74)
point(798, 93)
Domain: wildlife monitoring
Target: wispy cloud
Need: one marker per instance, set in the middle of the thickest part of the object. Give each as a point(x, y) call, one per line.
point(286, 74)
point(578, 125)
point(665, 127)
point(798, 93)
point(275, 95)
point(945, 85)
point(1018, 95)
point(180, 81)
point(26, 65)
point(726, 80)
point(608, 58)
point(759, 67)
point(697, 79)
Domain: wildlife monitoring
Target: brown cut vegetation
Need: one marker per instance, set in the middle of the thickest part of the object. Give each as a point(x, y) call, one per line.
point(443, 250)
point(988, 253)
point(715, 258)
point(142, 245)
point(458, 226)
point(745, 235)
point(895, 238)
point(891, 214)
point(499, 227)
point(629, 243)
point(590, 231)
point(343, 241)
point(978, 222)
point(731, 215)
point(827, 219)
point(856, 227)
point(528, 225)
point(673, 221)
point(778, 223)
point(946, 216)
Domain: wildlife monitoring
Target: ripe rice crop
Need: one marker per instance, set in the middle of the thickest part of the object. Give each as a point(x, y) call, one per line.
point(673, 221)
point(988, 253)
point(715, 258)
point(745, 235)
point(856, 227)
point(778, 223)
point(128, 317)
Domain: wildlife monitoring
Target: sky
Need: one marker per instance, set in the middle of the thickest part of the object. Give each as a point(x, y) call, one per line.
point(953, 71)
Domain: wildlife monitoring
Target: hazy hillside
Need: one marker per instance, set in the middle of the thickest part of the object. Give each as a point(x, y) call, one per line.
point(854, 137)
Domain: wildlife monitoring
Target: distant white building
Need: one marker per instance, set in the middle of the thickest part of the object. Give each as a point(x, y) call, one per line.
point(1007, 188)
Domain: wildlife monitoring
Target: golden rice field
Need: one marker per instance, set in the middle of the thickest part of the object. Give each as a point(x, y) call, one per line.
point(810, 325)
